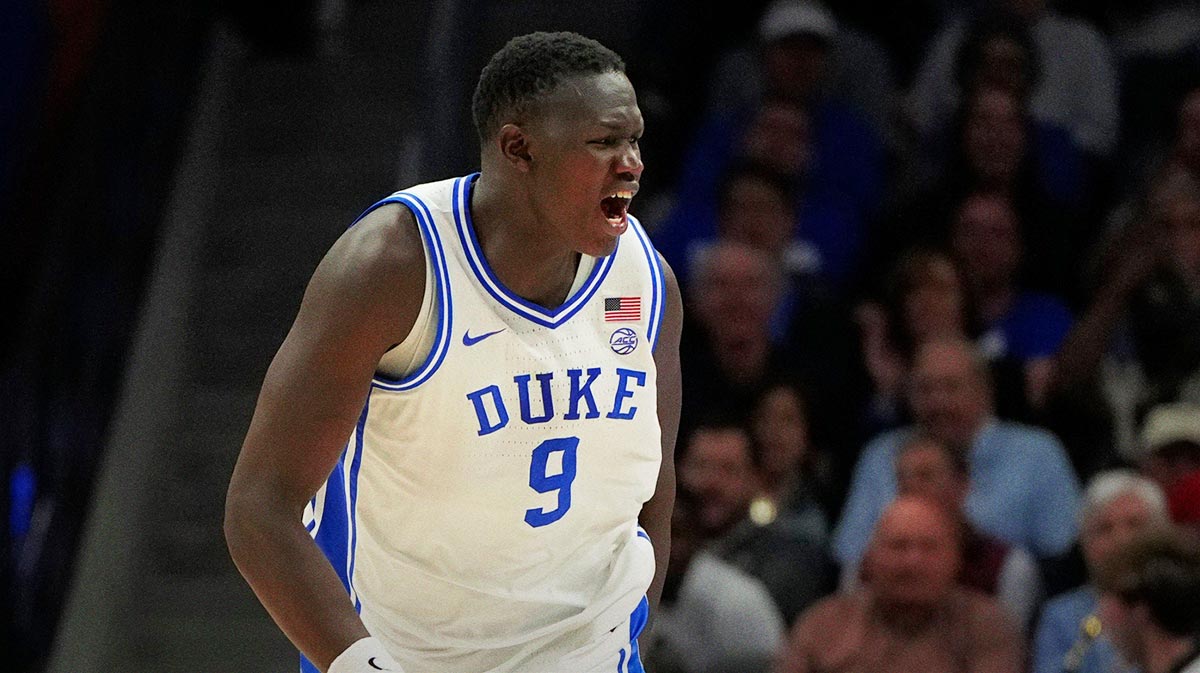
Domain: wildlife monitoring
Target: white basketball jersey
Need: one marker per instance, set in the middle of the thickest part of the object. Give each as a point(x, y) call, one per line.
point(484, 515)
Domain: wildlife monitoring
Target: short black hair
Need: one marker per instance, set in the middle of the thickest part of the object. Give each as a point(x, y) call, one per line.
point(1161, 570)
point(531, 65)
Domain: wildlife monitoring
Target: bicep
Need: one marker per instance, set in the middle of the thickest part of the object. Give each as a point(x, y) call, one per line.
point(667, 364)
point(355, 307)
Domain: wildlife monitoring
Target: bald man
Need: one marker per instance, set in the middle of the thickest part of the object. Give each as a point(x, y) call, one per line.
point(1023, 489)
point(912, 615)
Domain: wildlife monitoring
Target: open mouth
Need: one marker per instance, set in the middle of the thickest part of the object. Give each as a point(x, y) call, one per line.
point(615, 206)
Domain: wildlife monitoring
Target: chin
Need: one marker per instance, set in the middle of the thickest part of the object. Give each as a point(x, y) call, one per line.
point(598, 248)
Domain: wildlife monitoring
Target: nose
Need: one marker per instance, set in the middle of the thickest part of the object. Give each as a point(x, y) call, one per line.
point(630, 166)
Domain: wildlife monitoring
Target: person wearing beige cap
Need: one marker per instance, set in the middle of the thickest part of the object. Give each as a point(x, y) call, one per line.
point(1169, 453)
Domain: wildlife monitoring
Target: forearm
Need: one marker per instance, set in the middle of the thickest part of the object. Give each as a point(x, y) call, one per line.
point(1088, 341)
point(655, 519)
point(293, 580)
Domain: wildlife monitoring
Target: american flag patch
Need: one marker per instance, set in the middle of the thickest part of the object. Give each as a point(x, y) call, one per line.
point(622, 309)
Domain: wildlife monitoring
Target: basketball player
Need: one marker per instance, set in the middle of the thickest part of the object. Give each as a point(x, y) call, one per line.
point(474, 414)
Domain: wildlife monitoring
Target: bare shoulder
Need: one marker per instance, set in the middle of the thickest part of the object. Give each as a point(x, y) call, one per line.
point(374, 272)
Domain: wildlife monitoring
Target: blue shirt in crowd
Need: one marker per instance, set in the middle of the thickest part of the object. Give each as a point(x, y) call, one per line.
point(1061, 628)
point(1023, 490)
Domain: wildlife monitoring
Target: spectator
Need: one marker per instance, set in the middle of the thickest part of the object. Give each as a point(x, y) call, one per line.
point(713, 617)
point(1118, 505)
point(1148, 598)
point(1170, 443)
point(1146, 313)
point(912, 615)
point(928, 469)
point(756, 207)
point(1023, 489)
point(728, 349)
point(1166, 312)
point(792, 489)
point(1076, 88)
point(804, 31)
point(1024, 326)
point(996, 149)
point(926, 298)
point(721, 468)
point(833, 157)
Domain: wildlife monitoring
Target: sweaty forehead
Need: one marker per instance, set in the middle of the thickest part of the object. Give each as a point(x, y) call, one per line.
point(605, 99)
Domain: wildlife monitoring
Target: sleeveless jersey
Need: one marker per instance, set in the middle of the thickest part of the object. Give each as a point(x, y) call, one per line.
point(484, 514)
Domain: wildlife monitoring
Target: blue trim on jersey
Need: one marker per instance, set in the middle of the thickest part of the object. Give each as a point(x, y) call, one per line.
point(487, 278)
point(445, 317)
point(657, 284)
point(637, 623)
point(337, 535)
point(355, 464)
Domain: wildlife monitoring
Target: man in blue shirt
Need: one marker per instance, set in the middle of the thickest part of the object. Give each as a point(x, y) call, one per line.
point(1023, 490)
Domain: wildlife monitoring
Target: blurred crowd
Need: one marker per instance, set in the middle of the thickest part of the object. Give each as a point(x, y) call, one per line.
point(941, 261)
point(942, 348)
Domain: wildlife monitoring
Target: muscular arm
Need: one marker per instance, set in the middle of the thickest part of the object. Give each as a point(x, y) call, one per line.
point(362, 299)
point(656, 513)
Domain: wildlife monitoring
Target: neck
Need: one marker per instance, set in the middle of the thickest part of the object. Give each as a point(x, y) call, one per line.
point(1165, 653)
point(534, 266)
point(905, 617)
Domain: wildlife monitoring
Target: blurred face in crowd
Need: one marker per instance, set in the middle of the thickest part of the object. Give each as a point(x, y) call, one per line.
point(719, 470)
point(994, 134)
point(1188, 141)
point(1005, 65)
point(949, 393)
point(934, 304)
point(1113, 526)
point(737, 287)
point(782, 430)
point(779, 137)
point(795, 66)
point(925, 469)
point(914, 558)
point(986, 240)
point(758, 213)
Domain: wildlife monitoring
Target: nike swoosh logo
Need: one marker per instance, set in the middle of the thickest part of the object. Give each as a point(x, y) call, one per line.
point(372, 664)
point(469, 340)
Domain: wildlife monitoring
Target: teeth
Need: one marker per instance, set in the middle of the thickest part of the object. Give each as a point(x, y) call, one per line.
point(623, 194)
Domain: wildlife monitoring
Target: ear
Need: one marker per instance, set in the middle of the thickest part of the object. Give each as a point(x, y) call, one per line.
point(514, 146)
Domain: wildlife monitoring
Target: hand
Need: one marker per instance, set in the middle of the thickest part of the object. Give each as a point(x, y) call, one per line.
point(883, 364)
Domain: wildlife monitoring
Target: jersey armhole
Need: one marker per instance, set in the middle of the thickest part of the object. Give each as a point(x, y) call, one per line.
point(407, 356)
point(418, 356)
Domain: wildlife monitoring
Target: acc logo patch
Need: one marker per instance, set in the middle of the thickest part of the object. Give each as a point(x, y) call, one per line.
point(623, 341)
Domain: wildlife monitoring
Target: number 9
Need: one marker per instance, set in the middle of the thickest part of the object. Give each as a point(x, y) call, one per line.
point(547, 483)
